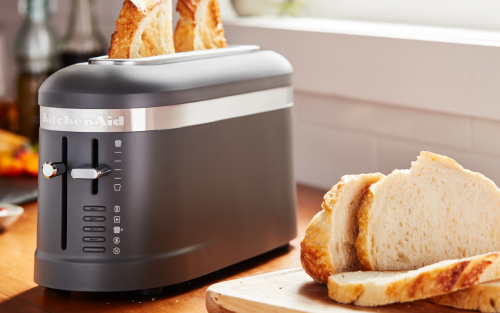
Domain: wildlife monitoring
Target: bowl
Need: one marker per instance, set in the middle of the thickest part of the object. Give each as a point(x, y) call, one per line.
point(9, 213)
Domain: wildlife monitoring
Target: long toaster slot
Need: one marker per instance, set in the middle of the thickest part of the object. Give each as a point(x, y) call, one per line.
point(95, 162)
point(64, 198)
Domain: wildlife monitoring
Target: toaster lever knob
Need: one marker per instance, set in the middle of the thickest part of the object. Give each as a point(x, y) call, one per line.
point(89, 172)
point(52, 169)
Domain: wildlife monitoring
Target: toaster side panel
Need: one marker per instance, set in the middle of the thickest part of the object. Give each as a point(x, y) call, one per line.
point(178, 203)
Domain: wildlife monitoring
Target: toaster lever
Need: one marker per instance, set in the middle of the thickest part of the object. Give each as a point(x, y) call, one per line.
point(53, 169)
point(89, 172)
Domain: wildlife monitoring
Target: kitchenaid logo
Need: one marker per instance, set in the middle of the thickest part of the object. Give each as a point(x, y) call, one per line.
point(99, 121)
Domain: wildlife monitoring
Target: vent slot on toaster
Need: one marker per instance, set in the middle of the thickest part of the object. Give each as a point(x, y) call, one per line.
point(95, 163)
point(64, 193)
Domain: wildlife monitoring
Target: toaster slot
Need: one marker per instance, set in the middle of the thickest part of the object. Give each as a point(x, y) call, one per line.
point(64, 197)
point(95, 162)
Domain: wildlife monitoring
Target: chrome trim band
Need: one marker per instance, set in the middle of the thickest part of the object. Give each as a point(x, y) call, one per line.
point(165, 117)
point(175, 57)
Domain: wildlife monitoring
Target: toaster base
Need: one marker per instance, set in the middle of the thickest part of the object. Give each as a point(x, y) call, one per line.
point(143, 277)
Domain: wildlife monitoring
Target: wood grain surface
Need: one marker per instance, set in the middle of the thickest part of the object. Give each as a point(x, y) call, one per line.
point(18, 292)
point(293, 291)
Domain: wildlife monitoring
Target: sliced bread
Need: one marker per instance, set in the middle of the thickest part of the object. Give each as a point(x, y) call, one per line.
point(483, 297)
point(435, 211)
point(199, 26)
point(328, 246)
point(143, 29)
point(379, 288)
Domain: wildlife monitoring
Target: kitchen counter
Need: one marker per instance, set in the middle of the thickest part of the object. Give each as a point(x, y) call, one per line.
point(18, 292)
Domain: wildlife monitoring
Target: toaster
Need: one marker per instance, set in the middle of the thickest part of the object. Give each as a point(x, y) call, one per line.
point(158, 170)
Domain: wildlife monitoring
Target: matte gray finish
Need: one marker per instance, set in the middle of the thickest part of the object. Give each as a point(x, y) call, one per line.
point(84, 86)
point(191, 200)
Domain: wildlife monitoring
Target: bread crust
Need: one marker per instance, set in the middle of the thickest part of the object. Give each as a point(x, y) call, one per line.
point(131, 30)
point(315, 248)
point(483, 297)
point(315, 253)
point(430, 281)
point(195, 32)
point(363, 242)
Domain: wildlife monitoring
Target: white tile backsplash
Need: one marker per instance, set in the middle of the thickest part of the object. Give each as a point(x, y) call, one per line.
point(486, 136)
point(418, 125)
point(336, 136)
point(323, 155)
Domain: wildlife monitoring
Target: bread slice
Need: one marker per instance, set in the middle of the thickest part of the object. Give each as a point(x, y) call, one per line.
point(483, 297)
point(199, 26)
point(379, 288)
point(328, 245)
point(435, 211)
point(143, 29)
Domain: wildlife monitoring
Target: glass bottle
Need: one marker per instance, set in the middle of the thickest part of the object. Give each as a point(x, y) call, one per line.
point(83, 39)
point(37, 58)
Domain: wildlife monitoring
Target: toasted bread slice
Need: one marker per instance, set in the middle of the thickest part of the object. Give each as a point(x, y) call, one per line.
point(199, 26)
point(433, 212)
point(483, 297)
point(328, 245)
point(143, 29)
point(379, 288)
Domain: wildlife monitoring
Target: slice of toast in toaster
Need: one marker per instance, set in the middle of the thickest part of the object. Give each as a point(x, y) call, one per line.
point(143, 29)
point(199, 26)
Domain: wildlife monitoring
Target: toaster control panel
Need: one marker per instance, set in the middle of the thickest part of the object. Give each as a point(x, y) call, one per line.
point(108, 215)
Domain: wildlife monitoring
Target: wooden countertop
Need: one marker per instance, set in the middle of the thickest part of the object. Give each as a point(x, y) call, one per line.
point(18, 292)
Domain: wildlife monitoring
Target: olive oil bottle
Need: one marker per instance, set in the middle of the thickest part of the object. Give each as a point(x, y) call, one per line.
point(83, 39)
point(37, 57)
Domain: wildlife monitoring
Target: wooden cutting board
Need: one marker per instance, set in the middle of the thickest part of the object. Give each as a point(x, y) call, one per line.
point(292, 291)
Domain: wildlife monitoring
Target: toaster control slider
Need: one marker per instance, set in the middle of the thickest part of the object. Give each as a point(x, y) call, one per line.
point(89, 172)
point(53, 169)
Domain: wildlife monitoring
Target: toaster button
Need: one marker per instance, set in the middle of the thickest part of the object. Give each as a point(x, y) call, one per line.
point(94, 249)
point(94, 208)
point(90, 228)
point(94, 239)
point(94, 218)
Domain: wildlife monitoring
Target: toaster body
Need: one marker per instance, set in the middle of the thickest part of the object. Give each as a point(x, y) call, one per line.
point(165, 184)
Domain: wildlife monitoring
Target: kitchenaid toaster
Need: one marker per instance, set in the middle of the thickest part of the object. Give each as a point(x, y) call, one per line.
point(158, 170)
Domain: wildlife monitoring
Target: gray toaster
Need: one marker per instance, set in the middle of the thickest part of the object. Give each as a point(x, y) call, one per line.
point(158, 170)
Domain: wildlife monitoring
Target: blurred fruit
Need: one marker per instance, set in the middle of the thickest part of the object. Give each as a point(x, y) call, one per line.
point(16, 156)
point(10, 142)
point(10, 166)
point(30, 163)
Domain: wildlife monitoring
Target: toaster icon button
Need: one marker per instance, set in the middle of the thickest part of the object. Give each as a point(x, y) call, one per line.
point(118, 187)
point(94, 208)
point(94, 229)
point(116, 229)
point(117, 208)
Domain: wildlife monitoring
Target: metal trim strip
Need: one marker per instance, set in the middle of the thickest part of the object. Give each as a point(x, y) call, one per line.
point(165, 117)
point(176, 57)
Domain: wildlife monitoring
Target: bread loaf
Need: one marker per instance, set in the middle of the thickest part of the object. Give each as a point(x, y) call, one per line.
point(379, 288)
point(199, 26)
point(435, 211)
point(483, 297)
point(143, 29)
point(328, 245)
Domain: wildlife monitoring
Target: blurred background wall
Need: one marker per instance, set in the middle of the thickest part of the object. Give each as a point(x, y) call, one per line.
point(369, 95)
